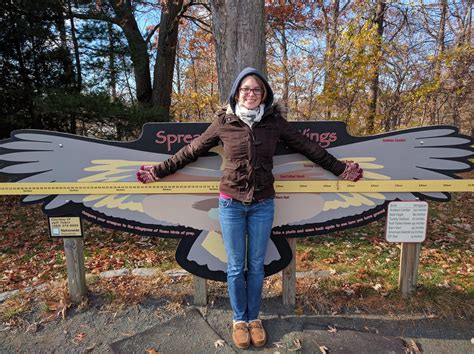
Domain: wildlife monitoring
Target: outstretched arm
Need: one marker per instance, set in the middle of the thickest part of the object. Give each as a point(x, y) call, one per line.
point(347, 170)
point(184, 156)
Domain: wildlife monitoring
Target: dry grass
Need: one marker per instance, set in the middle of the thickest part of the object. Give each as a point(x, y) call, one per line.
point(329, 296)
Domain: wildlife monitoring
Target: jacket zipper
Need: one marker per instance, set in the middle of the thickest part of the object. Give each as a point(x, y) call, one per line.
point(254, 161)
point(252, 157)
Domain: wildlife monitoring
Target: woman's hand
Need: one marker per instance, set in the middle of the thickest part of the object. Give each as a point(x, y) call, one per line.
point(352, 172)
point(146, 174)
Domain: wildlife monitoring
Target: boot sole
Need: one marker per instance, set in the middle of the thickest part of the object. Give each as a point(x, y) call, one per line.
point(258, 345)
point(242, 347)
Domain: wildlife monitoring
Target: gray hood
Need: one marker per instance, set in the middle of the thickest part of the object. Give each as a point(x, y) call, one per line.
point(235, 86)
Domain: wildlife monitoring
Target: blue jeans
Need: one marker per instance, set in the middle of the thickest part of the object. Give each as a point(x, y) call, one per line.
point(245, 230)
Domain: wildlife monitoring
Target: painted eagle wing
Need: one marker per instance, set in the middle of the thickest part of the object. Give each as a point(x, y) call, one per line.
point(38, 156)
point(428, 153)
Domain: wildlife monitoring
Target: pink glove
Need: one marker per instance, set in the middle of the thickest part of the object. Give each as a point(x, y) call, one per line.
point(146, 174)
point(352, 172)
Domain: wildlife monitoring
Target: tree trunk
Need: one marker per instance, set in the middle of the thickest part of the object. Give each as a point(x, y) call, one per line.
point(127, 79)
point(166, 55)
point(76, 49)
point(331, 15)
point(69, 79)
point(239, 34)
point(374, 85)
point(112, 67)
point(440, 48)
point(138, 50)
point(124, 17)
point(286, 76)
point(312, 94)
point(468, 27)
point(178, 68)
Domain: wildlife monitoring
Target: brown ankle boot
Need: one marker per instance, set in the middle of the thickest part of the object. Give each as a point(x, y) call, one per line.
point(240, 335)
point(257, 333)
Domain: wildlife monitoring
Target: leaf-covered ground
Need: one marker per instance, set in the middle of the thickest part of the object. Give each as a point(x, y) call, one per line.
point(363, 267)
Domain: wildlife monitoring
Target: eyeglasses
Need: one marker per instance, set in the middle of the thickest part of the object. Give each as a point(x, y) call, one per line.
point(257, 91)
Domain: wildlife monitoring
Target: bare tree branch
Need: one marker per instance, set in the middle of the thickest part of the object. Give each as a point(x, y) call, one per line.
point(150, 35)
point(198, 23)
point(96, 16)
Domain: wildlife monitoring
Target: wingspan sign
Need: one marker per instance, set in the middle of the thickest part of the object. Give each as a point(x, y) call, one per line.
point(428, 153)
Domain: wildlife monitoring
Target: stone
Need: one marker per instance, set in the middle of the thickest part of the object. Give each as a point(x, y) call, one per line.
point(114, 273)
point(7, 294)
point(175, 273)
point(146, 272)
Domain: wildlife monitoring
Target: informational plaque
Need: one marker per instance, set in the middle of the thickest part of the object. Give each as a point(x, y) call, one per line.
point(406, 221)
point(65, 226)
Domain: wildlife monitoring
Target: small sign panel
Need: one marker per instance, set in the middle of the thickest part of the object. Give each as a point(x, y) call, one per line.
point(406, 221)
point(65, 226)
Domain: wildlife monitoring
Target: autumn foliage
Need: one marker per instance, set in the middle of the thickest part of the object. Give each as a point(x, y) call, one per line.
point(376, 65)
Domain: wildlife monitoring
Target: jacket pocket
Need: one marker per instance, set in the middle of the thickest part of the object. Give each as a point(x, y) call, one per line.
point(234, 173)
point(264, 176)
point(265, 142)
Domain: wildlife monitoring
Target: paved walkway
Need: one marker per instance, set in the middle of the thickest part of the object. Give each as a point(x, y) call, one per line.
point(199, 330)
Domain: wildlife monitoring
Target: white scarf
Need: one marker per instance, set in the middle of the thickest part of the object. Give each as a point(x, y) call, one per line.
point(249, 116)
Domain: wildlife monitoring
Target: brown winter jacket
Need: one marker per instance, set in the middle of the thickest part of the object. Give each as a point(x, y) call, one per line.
point(249, 152)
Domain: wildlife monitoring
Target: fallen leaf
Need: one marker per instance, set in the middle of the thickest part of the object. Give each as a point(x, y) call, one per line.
point(299, 311)
point(371, 329)
point(377, 287)
point(297, 344)
point(90, 348)
point(62, 312)
point(323, 349)
point(80, 336)
point(33, 328)
point(349, 292)
point(413, 347)
point(332, 329)
point(219, 343)
point(279, 344)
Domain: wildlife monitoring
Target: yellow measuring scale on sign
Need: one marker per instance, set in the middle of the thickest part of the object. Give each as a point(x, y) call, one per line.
point(209, 187)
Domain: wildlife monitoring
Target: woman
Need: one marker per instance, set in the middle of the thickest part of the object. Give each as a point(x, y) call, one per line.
point(249, 130)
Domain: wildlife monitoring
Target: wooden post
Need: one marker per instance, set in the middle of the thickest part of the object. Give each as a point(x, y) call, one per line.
point(76, 275)
point(200, 291)
point(289, 277)
point(409, 259)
